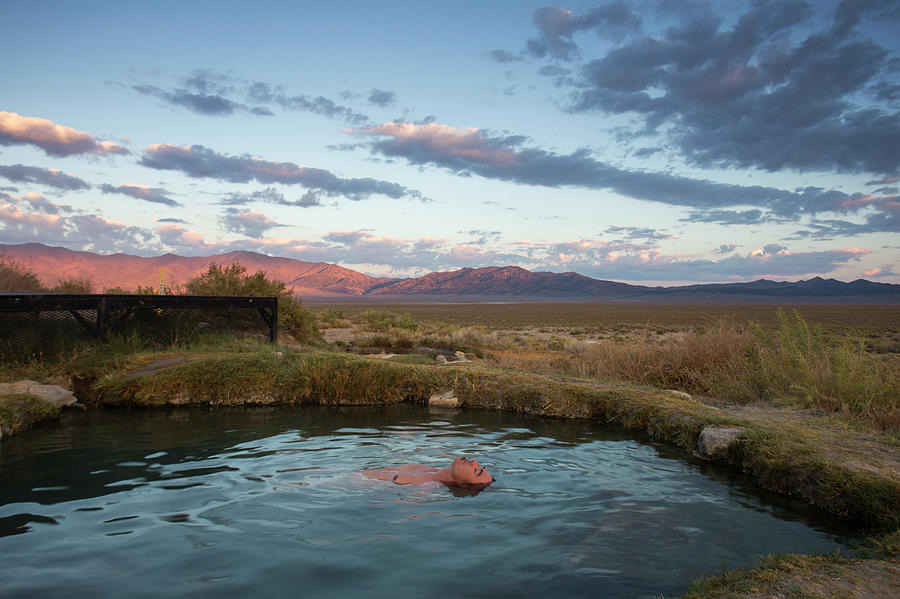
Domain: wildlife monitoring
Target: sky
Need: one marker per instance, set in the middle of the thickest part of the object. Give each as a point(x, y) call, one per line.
point(654, 142)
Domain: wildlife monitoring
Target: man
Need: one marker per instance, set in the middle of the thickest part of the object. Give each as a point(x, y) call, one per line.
point(462, 472)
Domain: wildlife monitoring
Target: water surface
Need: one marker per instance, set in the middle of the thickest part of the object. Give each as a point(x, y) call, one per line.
point(267, 501)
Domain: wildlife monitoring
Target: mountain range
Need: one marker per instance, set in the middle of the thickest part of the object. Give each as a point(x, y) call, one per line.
point(324, 280)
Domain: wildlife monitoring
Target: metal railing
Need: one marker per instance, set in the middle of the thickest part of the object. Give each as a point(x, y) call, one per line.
point(29, 318)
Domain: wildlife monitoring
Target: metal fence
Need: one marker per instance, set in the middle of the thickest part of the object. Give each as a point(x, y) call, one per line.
point(42, 323)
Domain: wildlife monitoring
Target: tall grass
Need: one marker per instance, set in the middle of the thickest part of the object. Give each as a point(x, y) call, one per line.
point(794, 363)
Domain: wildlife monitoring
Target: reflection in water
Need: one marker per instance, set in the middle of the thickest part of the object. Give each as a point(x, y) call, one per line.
point(238, 501)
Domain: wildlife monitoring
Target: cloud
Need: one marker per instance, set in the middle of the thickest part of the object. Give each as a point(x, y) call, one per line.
point(270, 195)
point(199, 162)
point(726, 248)
point(880, 272)
point(141, 192)
point(42, 204)
point(176, 236)
point(502, 56)
point(349, 237)
point(322, 106)
point(214, 93)
point(205, 104)
point(309, 199)
point(557, 25)
point(482, 237)
point(727, 217)
point(637, 232)
point(21, 226)
point(45, 176)
point(616, 261)
point(474, 152)
point(763, 93)
point(382, 98)
point(89, 232)
point(55, 140)
point(250, 223)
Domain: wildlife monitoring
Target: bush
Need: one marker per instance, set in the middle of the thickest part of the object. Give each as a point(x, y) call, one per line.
point(799, 360)
point(234, 280)
point(15, 277)
point(332, 317)
point(74, 285)
point(383, 320)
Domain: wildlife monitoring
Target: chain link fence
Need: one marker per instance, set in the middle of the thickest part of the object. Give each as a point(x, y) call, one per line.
point(33, 325)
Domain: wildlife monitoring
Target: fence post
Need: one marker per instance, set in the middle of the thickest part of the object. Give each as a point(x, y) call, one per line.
point(102, 319)
point(273, 330)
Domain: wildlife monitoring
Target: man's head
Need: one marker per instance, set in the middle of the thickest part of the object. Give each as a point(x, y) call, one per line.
point(467, 472)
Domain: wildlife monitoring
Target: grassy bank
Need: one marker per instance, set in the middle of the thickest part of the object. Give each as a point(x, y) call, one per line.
point(790, 460)
point(788, 361)
point(20, 412)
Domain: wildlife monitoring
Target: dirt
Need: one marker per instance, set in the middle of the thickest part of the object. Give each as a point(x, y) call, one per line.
point(858, 579)
point(161, 364)
point(854, 449)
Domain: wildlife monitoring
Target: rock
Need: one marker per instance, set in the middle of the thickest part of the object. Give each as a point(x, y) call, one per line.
point(679, 394)
point(461, 357)
point(54, 394)
point(440, 359)
point(384, 356)
point(715, 440)
point(445, 399)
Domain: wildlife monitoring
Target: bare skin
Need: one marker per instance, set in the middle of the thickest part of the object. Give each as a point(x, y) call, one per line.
point(463, 472)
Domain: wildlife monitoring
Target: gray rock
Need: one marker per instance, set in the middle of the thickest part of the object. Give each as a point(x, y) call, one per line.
point(679, 394)
point(440, 359)
point(53, 394)
point(715, 440)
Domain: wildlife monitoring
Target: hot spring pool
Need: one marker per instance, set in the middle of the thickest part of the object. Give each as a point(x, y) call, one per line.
point(267, 502)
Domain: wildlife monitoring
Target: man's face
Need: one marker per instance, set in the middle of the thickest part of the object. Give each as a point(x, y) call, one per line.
point(468, 472)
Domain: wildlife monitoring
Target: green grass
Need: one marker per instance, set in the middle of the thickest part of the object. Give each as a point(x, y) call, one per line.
point(21, 411)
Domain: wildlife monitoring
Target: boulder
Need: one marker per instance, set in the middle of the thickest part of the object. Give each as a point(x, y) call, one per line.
point(440, 359)
point(679, 394)
point(59, 397)
point(444, 399)
point(715, 440)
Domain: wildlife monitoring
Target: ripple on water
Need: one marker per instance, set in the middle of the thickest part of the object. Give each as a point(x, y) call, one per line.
point(243, 502)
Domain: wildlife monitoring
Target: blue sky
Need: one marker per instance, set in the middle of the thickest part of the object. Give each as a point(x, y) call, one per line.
point(654, 142)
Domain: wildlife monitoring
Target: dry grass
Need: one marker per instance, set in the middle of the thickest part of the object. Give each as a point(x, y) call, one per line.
point(797, 363)
point(788, 360)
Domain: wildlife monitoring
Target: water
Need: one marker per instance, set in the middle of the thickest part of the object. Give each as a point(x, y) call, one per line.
point(265, 502)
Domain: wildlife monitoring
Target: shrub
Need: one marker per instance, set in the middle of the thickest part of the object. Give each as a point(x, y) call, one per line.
point(74, 285)
point(332, 317)
point(384, 320)
point(15, 277)
point(234, 280)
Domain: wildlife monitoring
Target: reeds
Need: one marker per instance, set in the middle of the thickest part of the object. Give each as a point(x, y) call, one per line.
point(796, 363)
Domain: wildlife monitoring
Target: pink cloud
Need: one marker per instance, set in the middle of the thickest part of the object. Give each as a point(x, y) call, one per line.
point(178, 236)
point(55, 140)
point(468, 144)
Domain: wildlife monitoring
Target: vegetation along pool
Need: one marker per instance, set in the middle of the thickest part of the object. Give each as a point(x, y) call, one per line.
point(268, 502)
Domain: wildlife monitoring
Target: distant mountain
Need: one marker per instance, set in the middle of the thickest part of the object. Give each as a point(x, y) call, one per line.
point(815, 287)
point(505, 280)
point(52, 264)
point(320, 279)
